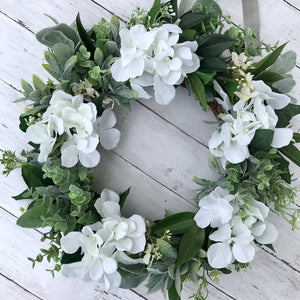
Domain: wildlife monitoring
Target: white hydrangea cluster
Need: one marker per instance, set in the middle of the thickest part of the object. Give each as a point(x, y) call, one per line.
point(78, 120)
point(235, 234)
point(155, 58)
point(104, 243)
point(250, 113)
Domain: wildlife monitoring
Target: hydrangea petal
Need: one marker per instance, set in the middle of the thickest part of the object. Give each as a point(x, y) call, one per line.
point(164, 93)
point(71, 242)
point(203, 218)
point(118, 72)
point(89, 160)
point(282, 137)
point(219, 255)
point(110, 138)
point(269, 236)
point(243, 253)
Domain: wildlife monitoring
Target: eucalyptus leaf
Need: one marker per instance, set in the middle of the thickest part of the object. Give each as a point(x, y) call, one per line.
point(98, 56)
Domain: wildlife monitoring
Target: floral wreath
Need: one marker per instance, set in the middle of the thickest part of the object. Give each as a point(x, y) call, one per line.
point(168, 46)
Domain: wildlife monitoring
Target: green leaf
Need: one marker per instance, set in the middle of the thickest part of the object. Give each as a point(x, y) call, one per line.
point(296, 137)
point(214, 44)
point(33, 176)
point(285, 63)
point(212, 64)
point(32, 217)
point(269, 77)
point(214, 165)
point(189, 34)
point(172, 293)
point(53, 37)
point(124, 196)
point(115, 21)
point(231, 88)
point(284, 167)
point(168, 252)
point(177, 224)
point(85, 38)
point(190, 20)
point(285, 85)
point(62, 53)
point(292, 152)
point(267, 61)
point(205, 77)
point(262, 140)
point(190, 244)
point(69, 66)
point(154, 10)
point(178, 283)
point(132, 275)
point(270, 246)
point(198, 89)
point(286, 114)
point(24, 195)
point(65, 29)
point(37, 82)
point(98, 57)
point(71, 258)
point(26, 87)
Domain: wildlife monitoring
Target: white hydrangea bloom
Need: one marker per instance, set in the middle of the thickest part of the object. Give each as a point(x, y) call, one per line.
point(80, 149)
point(232, 244)
point(39, 134)
point(109, 136)
point(155, 58)
point(231, 141)
point(105, 243)
point(215, 209)
point(235, 238)
point(126, 234)
point(71, 115)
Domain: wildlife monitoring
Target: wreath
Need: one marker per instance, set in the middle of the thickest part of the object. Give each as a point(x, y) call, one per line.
point(158, 50)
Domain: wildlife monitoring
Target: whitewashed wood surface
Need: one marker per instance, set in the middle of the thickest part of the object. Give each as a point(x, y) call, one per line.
point(162, 148)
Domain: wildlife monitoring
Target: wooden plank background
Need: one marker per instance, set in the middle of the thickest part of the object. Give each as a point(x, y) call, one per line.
point(162, 148)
